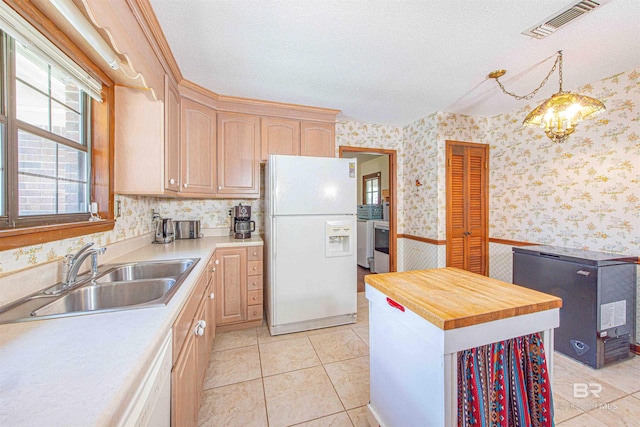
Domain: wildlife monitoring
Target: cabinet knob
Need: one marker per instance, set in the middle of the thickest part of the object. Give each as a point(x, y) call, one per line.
point(217, 261)
point(213, 270)
point(172, 181)
point(254, 268)
point(199, 329)
point(254, 298)
point(185, 185)
point(255, 253)
point(212, 295)
point(219, 187)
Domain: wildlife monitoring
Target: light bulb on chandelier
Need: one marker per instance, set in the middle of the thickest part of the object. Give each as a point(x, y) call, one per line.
point(558, 115)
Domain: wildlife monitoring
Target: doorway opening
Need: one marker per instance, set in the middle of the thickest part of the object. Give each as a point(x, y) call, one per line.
point(377, 181)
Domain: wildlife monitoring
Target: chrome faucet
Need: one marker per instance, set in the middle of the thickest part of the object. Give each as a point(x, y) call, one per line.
point(74, 261)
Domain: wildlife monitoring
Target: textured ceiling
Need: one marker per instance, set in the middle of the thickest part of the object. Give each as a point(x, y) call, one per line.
point(393, 62)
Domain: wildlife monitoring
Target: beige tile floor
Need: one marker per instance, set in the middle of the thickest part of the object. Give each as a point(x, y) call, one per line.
point(321, 378)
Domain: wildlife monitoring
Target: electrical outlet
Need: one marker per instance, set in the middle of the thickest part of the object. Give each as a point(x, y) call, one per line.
point(118, 209)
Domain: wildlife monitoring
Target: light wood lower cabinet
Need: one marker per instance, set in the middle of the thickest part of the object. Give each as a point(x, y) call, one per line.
point(184, 381)
point(255, 306)
point(231, 278)
point(193, 333)
point(239, 287)
point(210, 306)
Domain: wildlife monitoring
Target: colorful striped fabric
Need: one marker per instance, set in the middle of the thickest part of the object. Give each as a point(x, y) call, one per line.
point(505, 384)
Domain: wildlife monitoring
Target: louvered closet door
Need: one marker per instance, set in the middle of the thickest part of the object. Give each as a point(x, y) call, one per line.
point(467, 206)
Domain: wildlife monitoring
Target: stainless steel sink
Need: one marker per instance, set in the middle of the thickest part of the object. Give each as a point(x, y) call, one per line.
point(146, 270)
point(109, 296)
point(116, 287)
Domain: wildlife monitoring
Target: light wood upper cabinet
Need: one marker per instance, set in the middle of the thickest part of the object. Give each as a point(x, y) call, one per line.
point(139, 152)
point(172, 136)
point(238, 148)
point(296, 138)
point(198, 148)
point(279, 136)
point(317, 139)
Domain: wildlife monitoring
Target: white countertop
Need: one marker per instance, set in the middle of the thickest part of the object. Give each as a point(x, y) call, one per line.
point(82, 370)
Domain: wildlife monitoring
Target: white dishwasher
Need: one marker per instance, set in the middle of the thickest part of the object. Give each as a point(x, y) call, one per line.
point(151, 403)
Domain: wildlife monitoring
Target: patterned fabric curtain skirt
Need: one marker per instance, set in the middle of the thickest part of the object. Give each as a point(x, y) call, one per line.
point(505, 384)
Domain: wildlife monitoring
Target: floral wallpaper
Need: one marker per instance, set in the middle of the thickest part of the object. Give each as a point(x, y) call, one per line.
point(454, 127)
point(135, 221)
point(421, 178)
point(583, 193)
point(358, 134)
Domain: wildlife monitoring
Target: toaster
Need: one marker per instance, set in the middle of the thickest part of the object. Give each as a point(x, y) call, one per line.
point(187, 229)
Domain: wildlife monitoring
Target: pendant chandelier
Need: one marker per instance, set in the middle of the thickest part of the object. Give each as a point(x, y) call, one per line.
point(560, 114)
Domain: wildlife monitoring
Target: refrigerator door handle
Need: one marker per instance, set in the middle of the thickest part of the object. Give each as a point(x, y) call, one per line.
point(274, 241)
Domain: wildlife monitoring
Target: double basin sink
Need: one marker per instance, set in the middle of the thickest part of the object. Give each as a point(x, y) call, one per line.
point(116, 287)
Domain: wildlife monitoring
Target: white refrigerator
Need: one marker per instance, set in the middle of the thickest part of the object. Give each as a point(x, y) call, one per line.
point(310, 233)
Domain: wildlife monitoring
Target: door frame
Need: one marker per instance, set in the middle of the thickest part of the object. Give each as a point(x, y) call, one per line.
point(485, 195)
point(393, 190)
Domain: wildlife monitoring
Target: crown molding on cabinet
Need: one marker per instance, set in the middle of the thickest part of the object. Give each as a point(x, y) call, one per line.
point(144, 14)
point(234, 104)
point(147, 19)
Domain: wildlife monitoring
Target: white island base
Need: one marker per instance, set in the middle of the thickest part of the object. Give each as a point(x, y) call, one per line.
point(414, 363)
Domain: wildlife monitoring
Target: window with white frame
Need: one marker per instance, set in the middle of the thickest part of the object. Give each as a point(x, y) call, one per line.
point(371, 188)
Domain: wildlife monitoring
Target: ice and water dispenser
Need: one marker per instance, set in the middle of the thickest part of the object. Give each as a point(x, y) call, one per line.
point(338, 238)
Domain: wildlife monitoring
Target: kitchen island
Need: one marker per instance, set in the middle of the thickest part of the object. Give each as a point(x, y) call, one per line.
point(422, 321)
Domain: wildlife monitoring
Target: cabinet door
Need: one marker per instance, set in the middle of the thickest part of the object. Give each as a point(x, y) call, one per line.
point(139, 126)
point(210, 312)
point(279, 136)
point(231, 283)
point(467, 189)
point(317, 139)
point(238, 148)
point(171, 136)
point(198, 143)
point(202, 352)
point(184, 392)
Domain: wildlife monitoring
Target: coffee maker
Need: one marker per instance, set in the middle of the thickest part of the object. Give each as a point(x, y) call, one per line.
point(241, 224)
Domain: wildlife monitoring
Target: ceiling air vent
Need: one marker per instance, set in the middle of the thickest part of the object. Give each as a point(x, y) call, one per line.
point(550, 24)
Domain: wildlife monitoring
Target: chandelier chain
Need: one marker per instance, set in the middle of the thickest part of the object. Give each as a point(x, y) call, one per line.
point(534, 92)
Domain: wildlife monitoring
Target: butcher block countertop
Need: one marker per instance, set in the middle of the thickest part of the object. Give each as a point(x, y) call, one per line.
point(451, 298)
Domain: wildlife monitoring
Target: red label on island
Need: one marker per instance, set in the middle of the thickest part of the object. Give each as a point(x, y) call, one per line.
point(394, 304)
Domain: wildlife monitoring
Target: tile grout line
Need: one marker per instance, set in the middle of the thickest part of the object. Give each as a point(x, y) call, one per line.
point(264, 390)
point(330, 382)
